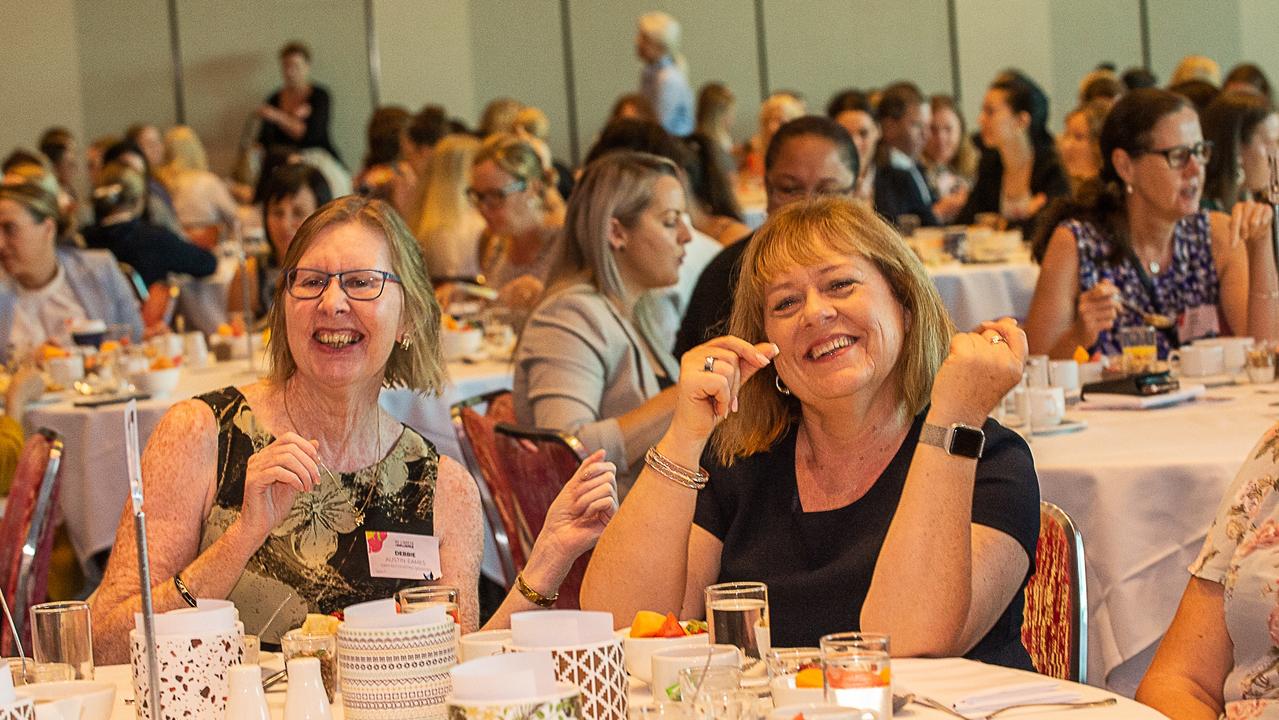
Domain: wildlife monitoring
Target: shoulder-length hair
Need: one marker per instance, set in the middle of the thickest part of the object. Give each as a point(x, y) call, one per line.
point(1229, 122)
point(804, 234)
point(419, 367)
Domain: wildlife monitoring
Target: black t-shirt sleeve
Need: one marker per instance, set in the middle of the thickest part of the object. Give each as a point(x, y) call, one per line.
point(317, 123)
point(1006, 493)
point(711, 513)
point(712, 300)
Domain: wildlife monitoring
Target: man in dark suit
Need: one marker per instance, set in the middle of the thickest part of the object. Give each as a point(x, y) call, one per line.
point(900, 187)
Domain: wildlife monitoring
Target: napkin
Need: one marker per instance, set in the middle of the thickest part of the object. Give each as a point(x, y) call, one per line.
point(208, 617)
point(501, 678)
point(981, 704)
point(560, 628)
point(383, 615)
point(1112, 401)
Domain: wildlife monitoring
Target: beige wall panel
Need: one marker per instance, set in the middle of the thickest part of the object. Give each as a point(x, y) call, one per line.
point(1259, 20)
point(230, 66)
point(1085, 33)
point(39, 54)
point(1194, 27)
point(425, 53)
point(997, 34)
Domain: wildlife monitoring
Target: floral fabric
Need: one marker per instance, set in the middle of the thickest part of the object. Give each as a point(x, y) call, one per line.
point(316, 560)
point(1242, 554)
point(1189, 282)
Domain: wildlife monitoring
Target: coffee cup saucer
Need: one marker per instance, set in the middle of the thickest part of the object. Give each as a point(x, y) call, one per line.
point(1067, 425)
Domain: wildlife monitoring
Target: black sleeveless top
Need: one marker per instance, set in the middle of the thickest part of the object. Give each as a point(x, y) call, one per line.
point(316, 560)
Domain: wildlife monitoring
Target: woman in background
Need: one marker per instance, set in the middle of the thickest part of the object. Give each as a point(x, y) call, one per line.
point(949, 158)
point(1244, 131)
point(664, 80)
point(716, 114)
point(202, 201)
point(449, 227)
point(296, 116)
point(852, 109)
point(1079, 143)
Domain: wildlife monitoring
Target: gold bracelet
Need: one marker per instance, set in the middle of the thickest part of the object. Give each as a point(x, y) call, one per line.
point(673, 471)
point(534, 596)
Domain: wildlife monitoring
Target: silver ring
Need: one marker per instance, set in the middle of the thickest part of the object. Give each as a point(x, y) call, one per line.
point(997, 339)
point(709, 365)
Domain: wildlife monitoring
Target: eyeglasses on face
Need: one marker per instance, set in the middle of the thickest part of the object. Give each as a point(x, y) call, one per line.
point(493, 198)
point(309, 284)
point(1179, 155)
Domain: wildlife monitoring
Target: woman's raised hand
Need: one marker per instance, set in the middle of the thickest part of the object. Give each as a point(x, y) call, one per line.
point(272, 479)
point(980, 369)
point(710, 376)
point(581, 510)
point(1098, 310)
point(1250, 222)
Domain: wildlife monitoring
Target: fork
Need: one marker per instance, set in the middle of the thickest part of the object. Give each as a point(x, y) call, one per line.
point(1064, 705)
point(1155, 320)
point(935, 705)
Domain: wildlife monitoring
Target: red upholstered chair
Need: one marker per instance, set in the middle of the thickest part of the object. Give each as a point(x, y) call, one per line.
point(474, 420)
point(26, 532)
point(1055, 627)
point(537, 464)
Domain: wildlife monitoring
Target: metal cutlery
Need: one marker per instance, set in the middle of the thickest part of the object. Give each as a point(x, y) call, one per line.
point(1063, 705)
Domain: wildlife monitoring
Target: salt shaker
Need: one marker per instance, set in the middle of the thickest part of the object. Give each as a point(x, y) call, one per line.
point(246, 699)
point(306, 698)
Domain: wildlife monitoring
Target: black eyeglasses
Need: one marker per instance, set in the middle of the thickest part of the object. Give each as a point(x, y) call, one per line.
point(309, 284)
point(493, 198)
point(1178, 156)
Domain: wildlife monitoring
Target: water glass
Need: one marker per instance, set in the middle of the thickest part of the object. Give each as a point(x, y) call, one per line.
point(737, 613)
point(1260, 365)
point(658, 711)
point(62, 640)
point(252, 649)
point(1140, 350)
point(414, 599)
point(785, 681)
point(711, 690)
point(324, 648)
point(857, 671)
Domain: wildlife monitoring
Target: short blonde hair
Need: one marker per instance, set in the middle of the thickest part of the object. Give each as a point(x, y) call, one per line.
point(803, 234)
point(1196, 67)
point(419, 367)
point(183, 150)
point(533, 121)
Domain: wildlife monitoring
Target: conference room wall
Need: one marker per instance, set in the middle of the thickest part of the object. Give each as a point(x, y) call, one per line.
point(1185, 27)
point(424, 52)
point(39, 54)
point(229, 66)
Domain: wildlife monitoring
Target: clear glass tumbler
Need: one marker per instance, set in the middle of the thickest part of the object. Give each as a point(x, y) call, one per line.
point(62, 640)
point(857, 671)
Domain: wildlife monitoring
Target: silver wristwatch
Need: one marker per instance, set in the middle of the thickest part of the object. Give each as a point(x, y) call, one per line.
point(958, 439)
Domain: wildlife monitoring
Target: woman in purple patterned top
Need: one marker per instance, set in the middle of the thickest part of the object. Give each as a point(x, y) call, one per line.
point(1136, 238)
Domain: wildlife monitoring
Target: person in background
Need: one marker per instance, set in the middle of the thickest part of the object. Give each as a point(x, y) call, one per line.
point(533, 125)
point(1196, 67)
point(716, 115)
point(60, 147)
point(203, 203)
point(1100, 85)
point(93, 161)
point(1199, 92)
point(900, 186)
point(263, 494)
point(291, 195)
point(587, 362)
point(1019, 170)
point(417, 142)
point(149, 140)
point(950, 160)
point(632, 106)
point(1078, 143)
point(449, 227)
point(499, 116)
point(382, 166)
point(297, 115)
point(523, 212)
point(776, 110)
point(1244, 131)
point(1137, 242)
point(808, 156)
point(714, 208)
point(158, 209)
point(1138, 77)
point(664, 80)
point(823, 430)
point(853, 110)
point(46, 287)
point(1250, 78)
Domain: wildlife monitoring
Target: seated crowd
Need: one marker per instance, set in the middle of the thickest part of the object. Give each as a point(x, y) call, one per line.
point(790, 405)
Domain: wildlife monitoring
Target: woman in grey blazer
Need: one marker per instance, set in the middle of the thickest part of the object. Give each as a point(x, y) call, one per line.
point(590, 360)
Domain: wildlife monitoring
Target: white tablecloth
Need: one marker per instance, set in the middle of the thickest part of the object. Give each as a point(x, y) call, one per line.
point(938, 679)
point(95, 480)
point(1143, 487)
point(976, 292)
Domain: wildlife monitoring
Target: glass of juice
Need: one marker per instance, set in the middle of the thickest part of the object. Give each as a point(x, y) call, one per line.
point(1140, 351)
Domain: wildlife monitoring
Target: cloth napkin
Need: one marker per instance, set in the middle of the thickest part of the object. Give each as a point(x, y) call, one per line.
point(981, 704)
point(1114, 401)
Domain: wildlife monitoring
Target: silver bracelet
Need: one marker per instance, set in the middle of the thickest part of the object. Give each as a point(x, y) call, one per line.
point(675, 472)
point(1269, 295)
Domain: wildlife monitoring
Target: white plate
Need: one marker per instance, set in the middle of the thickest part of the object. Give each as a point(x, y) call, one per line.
point(1067, 426)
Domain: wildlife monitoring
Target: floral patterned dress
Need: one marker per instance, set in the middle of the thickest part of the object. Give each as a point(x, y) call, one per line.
point(317, 559)
point(1190, 283)
point(1242, 554)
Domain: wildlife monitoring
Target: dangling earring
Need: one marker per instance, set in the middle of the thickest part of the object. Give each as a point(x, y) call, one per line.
point(777, 382)
point(405, 342)
point(1128, 188)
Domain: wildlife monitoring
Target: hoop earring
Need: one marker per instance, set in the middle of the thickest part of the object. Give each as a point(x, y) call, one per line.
point(781, 388)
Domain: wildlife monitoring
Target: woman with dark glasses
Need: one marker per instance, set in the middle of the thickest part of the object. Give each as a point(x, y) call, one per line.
point(1135, 243)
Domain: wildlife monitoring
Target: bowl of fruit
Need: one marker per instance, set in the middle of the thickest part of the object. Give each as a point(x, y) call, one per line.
point(459, 338)
point(160, 378)
point(650, 632)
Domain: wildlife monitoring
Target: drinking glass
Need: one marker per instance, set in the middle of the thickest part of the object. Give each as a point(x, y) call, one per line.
point(62, 640)
point(324, 648)
point(1260, 365)
point(658, 711)
point(726, 704)
point(411, 600)
point(1140, 351)
point(252, 649)
point(856, 671)
point(737, 613)
point(788, 687)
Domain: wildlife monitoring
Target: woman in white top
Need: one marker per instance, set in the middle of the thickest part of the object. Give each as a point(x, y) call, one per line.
point(200, 198)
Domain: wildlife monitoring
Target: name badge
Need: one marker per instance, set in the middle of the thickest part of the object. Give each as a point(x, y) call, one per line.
point(1198, 322)
point(404, 556)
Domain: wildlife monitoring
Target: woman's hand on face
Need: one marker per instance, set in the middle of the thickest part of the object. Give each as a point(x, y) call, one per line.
point(582, 509)
point(1250, 222)
point(980, 369)
point(522, 292)
point(1098, 310)
point(708, 396)
point(272, 479)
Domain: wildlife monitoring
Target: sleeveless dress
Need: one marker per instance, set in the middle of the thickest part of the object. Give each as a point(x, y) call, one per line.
point(1188, 285)
point(317, 559)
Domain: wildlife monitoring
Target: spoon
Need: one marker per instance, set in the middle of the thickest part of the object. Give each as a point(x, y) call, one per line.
point(1155, 320)
point(1064, 705)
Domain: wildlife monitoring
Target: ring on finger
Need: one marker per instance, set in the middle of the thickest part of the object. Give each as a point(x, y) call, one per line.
point(996, 339)
point(709, 365)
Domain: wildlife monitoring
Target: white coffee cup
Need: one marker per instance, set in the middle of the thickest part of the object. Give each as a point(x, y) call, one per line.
point(1198, 360)
point(1090, 372)
point(1235, 349)
point(195, 349)
point(483, 643)
point(1047, 407)
point(1037, 371)
point(1064, 374)
point(65, 370)
point(667, 663)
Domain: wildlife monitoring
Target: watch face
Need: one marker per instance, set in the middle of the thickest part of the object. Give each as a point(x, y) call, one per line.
point(967, 442)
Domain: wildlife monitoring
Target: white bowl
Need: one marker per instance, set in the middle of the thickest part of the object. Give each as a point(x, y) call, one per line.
point(457, 344)
point(483, 643)
point(667, 663)
point(157, 383)
point(639, 651)
point(96, 698)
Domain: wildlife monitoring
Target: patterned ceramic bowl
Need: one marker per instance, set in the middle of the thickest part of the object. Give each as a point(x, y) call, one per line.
point(566, 704)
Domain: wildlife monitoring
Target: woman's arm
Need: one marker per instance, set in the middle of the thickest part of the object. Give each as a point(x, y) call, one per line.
point(1186, 679)
point(1243, 252)
point(944, 606)
point(1061, 318)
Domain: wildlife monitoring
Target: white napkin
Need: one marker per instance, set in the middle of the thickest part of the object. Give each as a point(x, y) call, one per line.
point(560, 628)
point(510, 677)
point(1114, 401)
point(208, 617)
point(383, 615)
point(983, 703)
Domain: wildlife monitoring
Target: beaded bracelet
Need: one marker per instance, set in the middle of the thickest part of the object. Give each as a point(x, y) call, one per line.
point(675, 472)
